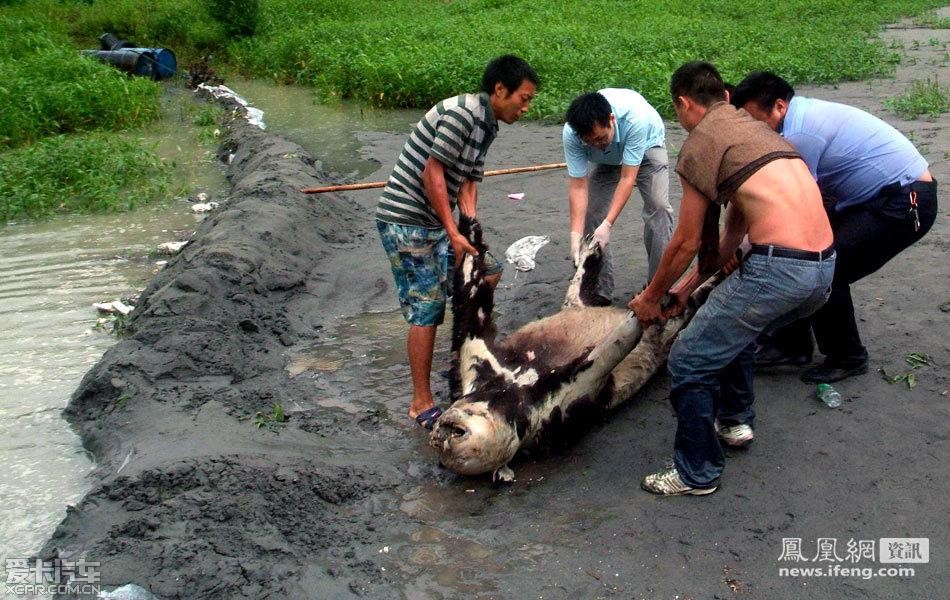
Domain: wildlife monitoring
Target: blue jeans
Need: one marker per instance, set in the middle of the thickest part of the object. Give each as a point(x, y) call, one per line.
point(711, 361)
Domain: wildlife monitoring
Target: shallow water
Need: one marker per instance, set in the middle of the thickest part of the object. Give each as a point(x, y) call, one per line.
point(50, 274)
point(328, 132)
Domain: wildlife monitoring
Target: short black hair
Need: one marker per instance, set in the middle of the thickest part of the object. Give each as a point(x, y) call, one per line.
point(699, 81)
point(587, 109)
point(763, 88)
point(510, 70)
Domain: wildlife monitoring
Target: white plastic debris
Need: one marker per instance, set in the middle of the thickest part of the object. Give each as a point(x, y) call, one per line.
point(129, 591)
point(518, 196)
point(203, 207)
point(112, 308)
point(521, 254)
point(201, 197)
point(172, 247)
point(253, 115)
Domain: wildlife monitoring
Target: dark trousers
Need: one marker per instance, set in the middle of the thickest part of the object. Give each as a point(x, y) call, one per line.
point(866, 238)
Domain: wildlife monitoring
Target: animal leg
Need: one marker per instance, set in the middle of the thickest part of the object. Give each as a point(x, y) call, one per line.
point(584, 283)
point(653, 348)
point(473, 301)
point(503, 476)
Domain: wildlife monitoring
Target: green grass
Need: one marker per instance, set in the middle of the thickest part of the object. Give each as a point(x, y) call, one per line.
point(48, 88)
point(271, 419)
point(412, 53)
point(57, 150)
point(402, 53)
point(388, 53)
point(932, 21)
point(926, 97)
point(93, 172)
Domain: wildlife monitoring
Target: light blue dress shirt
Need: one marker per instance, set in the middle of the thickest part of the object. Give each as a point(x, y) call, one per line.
point(852, 154)
point(639, 128)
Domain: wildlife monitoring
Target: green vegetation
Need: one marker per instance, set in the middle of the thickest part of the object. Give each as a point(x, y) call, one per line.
point(81, 173)
point(238, 17)
point(926, 97)
point(932, 20)
point(48, 88)
point(397, 53)
point(262, 419)
point(388, 53)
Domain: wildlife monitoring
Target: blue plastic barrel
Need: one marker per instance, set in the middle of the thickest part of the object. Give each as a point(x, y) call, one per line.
point(128, 59)
point(165, 64)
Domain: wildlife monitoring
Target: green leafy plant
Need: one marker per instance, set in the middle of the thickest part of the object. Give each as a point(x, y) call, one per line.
point(916, 360)
point(919, 359)
point(263, 419)
point(926, 97)
point(79, 174)
point(932, 20)
point(909, 378)
point(239, 17)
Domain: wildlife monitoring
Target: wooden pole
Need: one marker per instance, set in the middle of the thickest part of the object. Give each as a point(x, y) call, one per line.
point(378, 184)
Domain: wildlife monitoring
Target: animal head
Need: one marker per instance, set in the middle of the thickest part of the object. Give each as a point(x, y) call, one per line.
point(471, 438)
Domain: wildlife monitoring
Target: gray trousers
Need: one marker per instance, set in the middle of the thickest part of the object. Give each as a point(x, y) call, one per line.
point(653, 183)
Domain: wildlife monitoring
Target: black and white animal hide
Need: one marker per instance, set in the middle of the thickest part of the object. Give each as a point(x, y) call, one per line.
point(548, 376)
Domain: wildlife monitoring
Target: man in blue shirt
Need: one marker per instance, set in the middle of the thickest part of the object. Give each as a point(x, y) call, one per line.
point(613, 141)
point(880, 196)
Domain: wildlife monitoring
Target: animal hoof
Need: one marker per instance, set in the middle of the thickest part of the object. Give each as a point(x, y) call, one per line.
point(502, 477)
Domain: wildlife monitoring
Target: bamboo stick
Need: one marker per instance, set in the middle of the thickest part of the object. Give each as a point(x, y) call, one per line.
point(378, 184)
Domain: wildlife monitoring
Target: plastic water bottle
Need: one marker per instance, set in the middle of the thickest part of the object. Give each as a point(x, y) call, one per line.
point(829, 395)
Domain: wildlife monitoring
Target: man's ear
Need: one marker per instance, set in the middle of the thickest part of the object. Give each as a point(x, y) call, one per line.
point(781, 105)
point(500, 90)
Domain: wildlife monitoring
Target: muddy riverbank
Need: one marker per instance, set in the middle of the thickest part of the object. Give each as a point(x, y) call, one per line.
point(283, 298)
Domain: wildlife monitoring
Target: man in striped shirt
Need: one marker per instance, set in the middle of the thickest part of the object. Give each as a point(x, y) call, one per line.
point(439, 167)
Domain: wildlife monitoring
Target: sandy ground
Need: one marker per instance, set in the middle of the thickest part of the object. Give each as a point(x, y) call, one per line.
point(288, 299)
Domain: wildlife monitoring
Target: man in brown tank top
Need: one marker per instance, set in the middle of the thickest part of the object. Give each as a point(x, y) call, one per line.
point(731, 160)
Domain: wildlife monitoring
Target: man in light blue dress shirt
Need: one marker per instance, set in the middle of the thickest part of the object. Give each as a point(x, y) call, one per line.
point(613, 142)
point(880, 196)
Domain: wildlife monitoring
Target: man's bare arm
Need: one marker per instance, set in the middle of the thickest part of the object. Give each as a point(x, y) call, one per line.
point(577, 199)
point(676, 258)
point(628, 179)
point(468, 198)
point(433, 180)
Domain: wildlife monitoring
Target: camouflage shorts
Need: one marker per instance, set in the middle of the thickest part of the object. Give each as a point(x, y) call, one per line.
point(422, 263)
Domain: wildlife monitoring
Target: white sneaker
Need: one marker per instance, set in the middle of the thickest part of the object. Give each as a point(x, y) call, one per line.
point(668, 483)
point(735, 436)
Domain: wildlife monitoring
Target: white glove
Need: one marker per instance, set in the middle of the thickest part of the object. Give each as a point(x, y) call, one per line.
point(576, 247)
point(602, 233)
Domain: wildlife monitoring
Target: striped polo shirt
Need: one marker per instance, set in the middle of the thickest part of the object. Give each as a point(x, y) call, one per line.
point(457, 131)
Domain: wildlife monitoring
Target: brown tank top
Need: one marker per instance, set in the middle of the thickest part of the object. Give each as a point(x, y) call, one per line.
point(725, 149)
point(721, 152)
